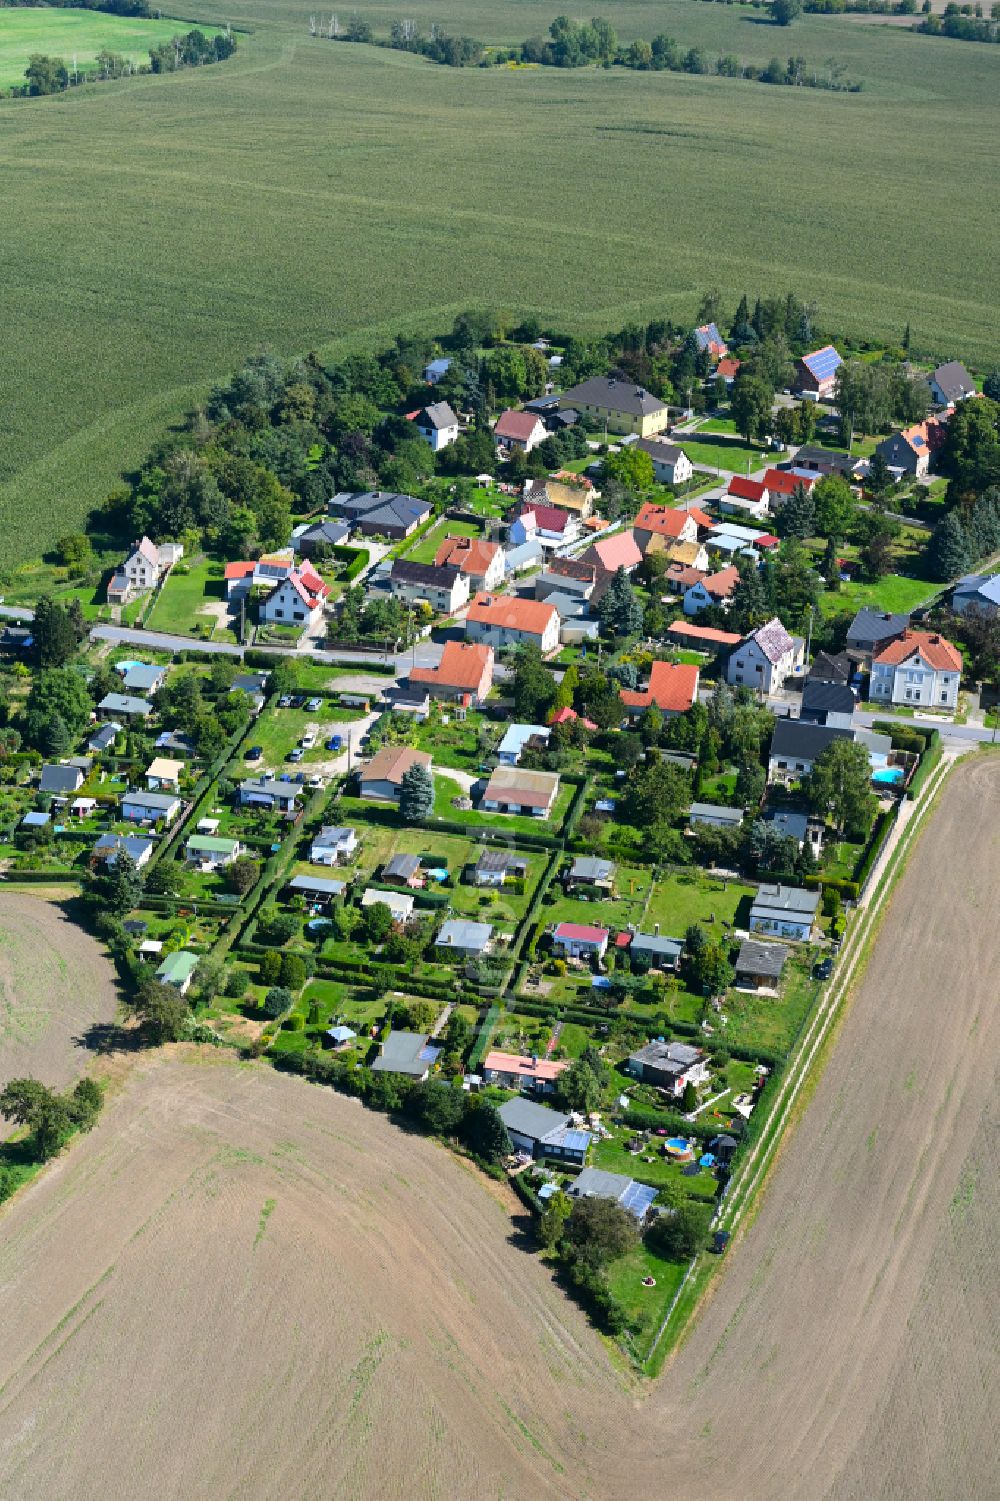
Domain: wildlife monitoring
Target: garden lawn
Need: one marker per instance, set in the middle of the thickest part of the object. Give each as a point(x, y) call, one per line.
point(278, 731)
point(426, 549)
point(193, 603)
point(631, 889)
point(457, 743)
point(894, 594)
point(771, 1022)
point(445, 790)
point(661, 1171)
point(681, 899)
point(722, 452)
point(645, 1306)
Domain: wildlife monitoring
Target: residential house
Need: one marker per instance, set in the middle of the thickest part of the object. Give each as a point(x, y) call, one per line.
point(828, 703)
point(500, 621)
point(565, 490)
point(520, 430)
point(259, 573)
point(765, 658)
point(714, 590)
point(870, 630)
point(104, 738)
point(537, 1131)
point(150, 807)
point(495, 866)
point(269, 792)
point(727, 370)
point(608, 554)
point(523, 558)
point(914, 448)
point(35, 820)
point(619, 405)
point(685, 555)
point(532, 1075)
point(680, 577)
point(470, 939)
point(60, 779)
point(164, 775)
point(797, 745)
point(380, 513)
point(333, 845)
point(831, 667)
point(715, 816)
point(481, 562)
point(816, 373)
point(444, 589)
point(591, 872)
point(437, 424)
point(702, 637)
point(297, 600)
point(436, 370)
point(144, 566)
point(671, 465)
point(781, 483)
point(113, 704)
point(580, 940)
point(170, 740)
point(784, 911)
point(141, 679)
point(382, 777)
point(670, 1066)
point(578, 584)
point(812, 459)
point(464, 674)
point(918, 667)
point(318, 538)
point(510, 789)
point(977, 594)
point(950, 383)
point(320, 891)
point(403, 870)
point(399, 903)
point(551, 526)
point(672, 687)
point(662, 953)
point(797, 824)
point(748, 497)
point(710, 339)
point(178, 970)
point(759, 965)
point(670, 522)
point(598, 1183)
point(519, 736)
point(110, 846)
point(410, 1053)
point(209, 852)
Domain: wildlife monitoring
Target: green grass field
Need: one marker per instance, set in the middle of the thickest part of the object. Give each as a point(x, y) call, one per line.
point(306, 150)
point(79, 34)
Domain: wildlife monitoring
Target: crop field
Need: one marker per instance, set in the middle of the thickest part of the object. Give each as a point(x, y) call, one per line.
point(55, 983)
point(79, 34)
point(116, 321)
point(349, 1314)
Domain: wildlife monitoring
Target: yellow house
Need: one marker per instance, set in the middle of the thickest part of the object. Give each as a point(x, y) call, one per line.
point(618, 405)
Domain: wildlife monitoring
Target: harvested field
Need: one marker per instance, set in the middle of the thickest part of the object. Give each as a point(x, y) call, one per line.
point(55, 983)
point(275, 1293)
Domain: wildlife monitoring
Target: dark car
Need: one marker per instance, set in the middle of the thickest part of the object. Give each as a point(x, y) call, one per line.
point(255, 752)
point(824, 969)
point(720, 1241)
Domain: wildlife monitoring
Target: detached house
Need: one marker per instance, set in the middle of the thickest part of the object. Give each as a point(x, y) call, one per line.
point(765, 658)
point(500, 621)
point(481, 562)
point(333, 845)
point(523, 430)
point(539, 1132)
point(816, 373)
point(796, 746)
point(746, 497)
point(464, 674)
point(444, 589)
point(142, 569)
point(60, 779)
point(618, 405)
point(672, 687)
point(950, 383)
point(709, 338)
point(150, 807)
point(784, 911)
point(297, 600)
point(532, 1075)
point(919, 667)
point(580, 940)
point(437, 424)
point(548, 525)
point(670, 1066)
point(209, 852)
point(913, 449)
point(977, 593)
point(671, 465)
point(268, 792)
point(380, 779)
point(380, 513)
point(531, 794)
point(716, 589)
point(672, 524)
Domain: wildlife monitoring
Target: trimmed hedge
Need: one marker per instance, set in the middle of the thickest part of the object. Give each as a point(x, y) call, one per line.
point(928, 761)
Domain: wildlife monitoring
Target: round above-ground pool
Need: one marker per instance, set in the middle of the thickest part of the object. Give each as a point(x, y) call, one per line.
point(677, 1146)
point(891, 774)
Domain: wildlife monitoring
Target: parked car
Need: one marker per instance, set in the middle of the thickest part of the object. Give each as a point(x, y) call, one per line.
point(824, 969)
point(296, 754)
point(255, 752)
point(720, 1241)
point(313, 704)
point(335, 742)
point(285, 701)
point(308, 740)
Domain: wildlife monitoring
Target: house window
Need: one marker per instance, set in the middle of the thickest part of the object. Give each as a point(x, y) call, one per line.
point(298, 615)
point(278, 612)
point(944, 698)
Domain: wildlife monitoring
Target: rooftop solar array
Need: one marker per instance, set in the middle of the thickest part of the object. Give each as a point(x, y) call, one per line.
point(823, 363)
point(637, 1199)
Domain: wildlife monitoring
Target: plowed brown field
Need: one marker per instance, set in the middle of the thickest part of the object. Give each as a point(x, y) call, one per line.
point(241, 1286)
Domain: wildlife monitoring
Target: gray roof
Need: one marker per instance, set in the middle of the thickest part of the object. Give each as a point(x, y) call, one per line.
point(406, 1053)
point(161, 800)
point(439, 414)
point(250, 682)
point(322, 884)
point(391, 508)
point(792, 900)
point(715, 813)
point(124, 703)
point(115, 844)
point(590, 868)
point(341, 1033)
point(330, 837)
point(60, 778)
point(331, 532)
point(831, 667)
point(761, 958)
point(979, 586)
point(470, 937)
point(954, 381)
point(143, 677)
point(874, 625)
point(788, 822)
point(803, 741)
point(618, 395)
point(403, 866)
point(427, 574)
point(653, 943)
point(661, 453)
point(670, 1055)
point(820, 697)
point(501, 860)
point(528, 1119)
point(567, 606)
point(35, 820)
point(271, 787)
point(597, 1183)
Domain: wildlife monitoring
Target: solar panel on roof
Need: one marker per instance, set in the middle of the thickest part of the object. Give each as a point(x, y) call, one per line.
point(823, 363)
point(576, 1141)
point(637, 1199)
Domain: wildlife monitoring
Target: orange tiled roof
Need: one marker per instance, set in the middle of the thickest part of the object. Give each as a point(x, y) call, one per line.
point(934, 649)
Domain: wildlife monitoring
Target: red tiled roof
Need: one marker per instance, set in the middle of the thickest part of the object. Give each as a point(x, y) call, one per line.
point(672, 686)
point(934, 649)
point(469, 554)
point(680, 573)
point(727, 368)
point(581, 931)
point(239, 570)
point(691, 632)
point(462, 666)
point(612, 553)
point(780, 482)
point(767, 539)
point(532, 615)
point(567, 715)
point(545, 1069)
point(665, 521)
point(518, 425)
point(746, 489)
point(720, 585)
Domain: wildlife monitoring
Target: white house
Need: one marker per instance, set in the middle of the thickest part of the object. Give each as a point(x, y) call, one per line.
point(482, 562)
point(437, 424)
point(333, 846)
point(784, 911)
point(164, 774)
point(918, 667)
point(297, 600)
point(523, 430)
point(150, 807)
point(671, 465)
point(950, 383)
point(208, 852)
point(716, 589)
point(580, 940)
point(501, 621)
point(444, 589)
point(142, 569)
point(765, 658)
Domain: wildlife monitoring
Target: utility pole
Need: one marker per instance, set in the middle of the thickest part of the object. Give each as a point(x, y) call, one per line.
point(812, 612)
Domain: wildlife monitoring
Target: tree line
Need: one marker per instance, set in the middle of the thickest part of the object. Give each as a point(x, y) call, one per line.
point(46, 75)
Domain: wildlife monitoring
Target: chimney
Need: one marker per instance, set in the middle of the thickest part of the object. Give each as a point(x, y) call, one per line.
point(656, 929)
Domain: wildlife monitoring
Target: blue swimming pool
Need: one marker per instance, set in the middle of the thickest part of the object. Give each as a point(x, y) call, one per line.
point(890, 774)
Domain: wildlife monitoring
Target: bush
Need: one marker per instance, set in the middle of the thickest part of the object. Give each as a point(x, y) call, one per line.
point(681, 1234)
point(277, 1001)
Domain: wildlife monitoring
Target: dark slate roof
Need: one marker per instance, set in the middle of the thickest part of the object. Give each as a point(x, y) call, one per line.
point(618, 395)
point(402, 867)
point(381, 505)
point(439, 414)
point(828, 698)
point(799, 741)
point(331, 532)
point(60, 778)
point(954, 381)
point(788, 822)
point(813, 454)
point(761, 958)
point(831, 667)
point(873, 625)
point(423, 573)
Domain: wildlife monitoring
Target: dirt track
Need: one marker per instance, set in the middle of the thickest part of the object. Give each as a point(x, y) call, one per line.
point(55, 982)
point(241, 1286)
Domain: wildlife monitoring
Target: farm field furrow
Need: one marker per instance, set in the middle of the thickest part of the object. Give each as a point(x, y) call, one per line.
point(314, 1302)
